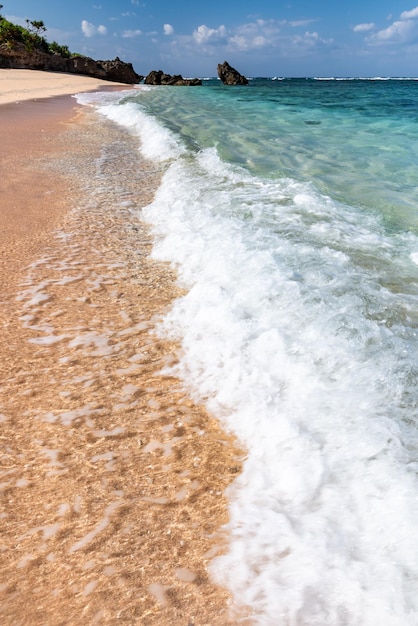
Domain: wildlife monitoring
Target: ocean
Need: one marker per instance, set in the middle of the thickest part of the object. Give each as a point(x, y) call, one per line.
point(289, 209)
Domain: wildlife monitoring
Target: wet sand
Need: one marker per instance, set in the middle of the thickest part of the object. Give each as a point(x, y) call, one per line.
point(112, 479)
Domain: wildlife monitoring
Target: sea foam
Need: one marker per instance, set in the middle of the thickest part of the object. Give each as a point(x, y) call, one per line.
point(298, 344)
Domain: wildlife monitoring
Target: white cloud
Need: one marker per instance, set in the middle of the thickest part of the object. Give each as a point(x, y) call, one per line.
point(361, 28)
point(203, 34)
point(310, 40)
point(266, 39)
point(254, 35)
point(259, 42)
point(271, 38)
point(298, 23)
point(268, 29)
point(408, 15)
point(168, 29)
point(266, 36)
point(241, 43)
point(128, 34)
point(90, 30)
point(400, 32)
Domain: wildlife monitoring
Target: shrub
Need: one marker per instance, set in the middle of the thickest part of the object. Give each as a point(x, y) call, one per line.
point(11, 33)
point(32, 37)
point(55, 48)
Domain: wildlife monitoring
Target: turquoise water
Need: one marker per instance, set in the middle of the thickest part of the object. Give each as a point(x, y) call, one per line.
point(289, 210)
point(355, 140)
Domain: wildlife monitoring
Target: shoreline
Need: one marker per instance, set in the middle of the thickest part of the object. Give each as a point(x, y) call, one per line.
point(114, 479)
point(21, 85)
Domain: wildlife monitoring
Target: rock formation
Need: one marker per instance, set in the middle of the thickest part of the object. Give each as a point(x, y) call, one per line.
point(229, 75)
point(19, 57)
point(158, 77)
point(120, 72)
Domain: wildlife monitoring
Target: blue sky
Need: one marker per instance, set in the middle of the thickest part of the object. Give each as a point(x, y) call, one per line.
point(263, 38)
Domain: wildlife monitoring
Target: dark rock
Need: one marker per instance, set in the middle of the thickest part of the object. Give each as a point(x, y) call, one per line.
point(158, 77)
point(85, 66)
point(230, 76)
point(120, 71)
point(18, 57)
point(153, 78)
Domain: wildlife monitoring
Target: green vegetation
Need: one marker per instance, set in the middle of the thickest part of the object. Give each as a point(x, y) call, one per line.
point(31, 37)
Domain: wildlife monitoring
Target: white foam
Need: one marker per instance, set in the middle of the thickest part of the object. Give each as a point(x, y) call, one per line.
point(157, 142)
point(414, 257)
point(282, 337)
point(293, 337)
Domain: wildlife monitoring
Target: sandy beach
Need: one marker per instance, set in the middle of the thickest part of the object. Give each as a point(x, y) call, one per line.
point(112, 479)
point(21, 85)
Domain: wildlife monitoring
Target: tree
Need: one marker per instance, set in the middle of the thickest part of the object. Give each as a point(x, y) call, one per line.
point(36, 26)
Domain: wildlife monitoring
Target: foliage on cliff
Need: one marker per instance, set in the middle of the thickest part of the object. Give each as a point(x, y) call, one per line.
point(27, 48)
point(31, 37)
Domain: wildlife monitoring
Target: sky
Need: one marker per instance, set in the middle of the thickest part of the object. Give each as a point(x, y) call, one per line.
point(259, 38)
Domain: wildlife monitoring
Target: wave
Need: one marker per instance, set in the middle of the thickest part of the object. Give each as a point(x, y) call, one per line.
point(293, 340)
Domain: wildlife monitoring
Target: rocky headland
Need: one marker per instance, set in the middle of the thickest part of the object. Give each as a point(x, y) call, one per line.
point(19, 57)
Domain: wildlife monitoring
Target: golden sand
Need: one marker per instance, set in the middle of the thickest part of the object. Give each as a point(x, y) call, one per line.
point(112, 479)
point(20, 85)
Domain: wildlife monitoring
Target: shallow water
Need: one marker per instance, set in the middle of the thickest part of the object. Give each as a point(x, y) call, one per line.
point(354, 139)
point(289, 211)
point(107, 468)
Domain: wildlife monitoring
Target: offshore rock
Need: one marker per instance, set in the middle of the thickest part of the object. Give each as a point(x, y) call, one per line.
point(158, 77)
point(18, 57)
point(229, 75)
